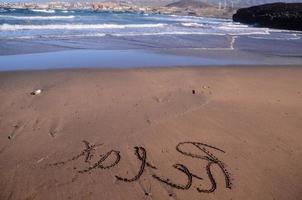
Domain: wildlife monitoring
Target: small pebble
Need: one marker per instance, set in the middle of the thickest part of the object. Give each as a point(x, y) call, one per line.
point(36, 92)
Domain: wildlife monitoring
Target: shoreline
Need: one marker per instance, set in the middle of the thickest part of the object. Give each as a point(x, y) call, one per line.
point(131, 59)
point(178, 67)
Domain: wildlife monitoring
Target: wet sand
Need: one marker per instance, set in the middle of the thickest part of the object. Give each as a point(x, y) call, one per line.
point(160, 133)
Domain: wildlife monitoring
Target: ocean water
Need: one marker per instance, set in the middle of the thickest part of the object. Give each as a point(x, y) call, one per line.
point(37, 34)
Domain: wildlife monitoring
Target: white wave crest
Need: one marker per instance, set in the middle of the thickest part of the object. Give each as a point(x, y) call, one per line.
point(173, 19)
point(67, 11)
point(193, 25)
point(43, 10)
point(10, 27)
point(235, 25)
point(165, 33)
point(36, 17)
point(233, 29)
point(57, 36)
point(276, 38)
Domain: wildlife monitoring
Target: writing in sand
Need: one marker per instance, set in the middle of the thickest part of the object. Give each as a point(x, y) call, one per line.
point(201, 151)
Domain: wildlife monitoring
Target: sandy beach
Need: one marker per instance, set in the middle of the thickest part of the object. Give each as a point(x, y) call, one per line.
point(163, 133)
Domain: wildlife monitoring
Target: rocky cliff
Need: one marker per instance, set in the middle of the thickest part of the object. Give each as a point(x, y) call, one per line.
point(276, 15)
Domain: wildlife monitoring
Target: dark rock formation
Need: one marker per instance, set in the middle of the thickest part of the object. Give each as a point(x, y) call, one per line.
point(277, 15)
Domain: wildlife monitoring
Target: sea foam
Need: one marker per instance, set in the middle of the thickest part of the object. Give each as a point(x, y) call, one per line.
point(14, 27)
point(43, 10)
point(37, 17)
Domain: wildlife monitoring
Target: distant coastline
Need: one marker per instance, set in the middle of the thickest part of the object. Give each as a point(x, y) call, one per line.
point(206, 11)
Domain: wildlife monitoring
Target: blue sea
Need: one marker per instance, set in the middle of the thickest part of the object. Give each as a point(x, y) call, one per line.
point(43, 39)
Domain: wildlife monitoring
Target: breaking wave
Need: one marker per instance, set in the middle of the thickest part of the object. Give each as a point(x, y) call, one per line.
point(43, 10)
point(165, 33)
point(58, 36)
point(14, 27)
point(37, 17)
point(192, 25)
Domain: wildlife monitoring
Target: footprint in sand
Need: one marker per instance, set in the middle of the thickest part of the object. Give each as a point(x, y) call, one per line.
point(54, 128)
point(17, 128)
point(36, 124)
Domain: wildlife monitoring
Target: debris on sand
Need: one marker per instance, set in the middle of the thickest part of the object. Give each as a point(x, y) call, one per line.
point(36, 92)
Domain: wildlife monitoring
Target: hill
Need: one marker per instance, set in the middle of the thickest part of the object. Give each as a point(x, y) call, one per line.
point(188, 3)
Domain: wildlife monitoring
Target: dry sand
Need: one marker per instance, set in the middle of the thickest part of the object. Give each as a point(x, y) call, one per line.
point(238, 137)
